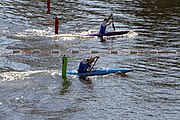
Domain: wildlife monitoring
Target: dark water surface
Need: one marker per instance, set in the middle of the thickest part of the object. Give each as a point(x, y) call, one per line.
point(31, 86)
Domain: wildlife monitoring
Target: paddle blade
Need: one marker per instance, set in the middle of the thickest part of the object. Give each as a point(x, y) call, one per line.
point(113, 26)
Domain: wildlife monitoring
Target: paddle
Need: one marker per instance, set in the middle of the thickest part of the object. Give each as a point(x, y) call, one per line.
point(94, 64)
point(113, 23)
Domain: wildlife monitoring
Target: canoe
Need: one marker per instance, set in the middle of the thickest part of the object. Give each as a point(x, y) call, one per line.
point(100, 71)
point(109, 33)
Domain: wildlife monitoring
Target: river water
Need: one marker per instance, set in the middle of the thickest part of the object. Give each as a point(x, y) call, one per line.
point(31, 86)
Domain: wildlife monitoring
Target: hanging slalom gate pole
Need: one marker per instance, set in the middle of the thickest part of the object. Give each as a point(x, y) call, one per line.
point(56, 25)
point(48, 6)
point(64, 67)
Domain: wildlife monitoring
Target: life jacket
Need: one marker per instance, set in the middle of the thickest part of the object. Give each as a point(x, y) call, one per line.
point(103, 28)
point(83, 66)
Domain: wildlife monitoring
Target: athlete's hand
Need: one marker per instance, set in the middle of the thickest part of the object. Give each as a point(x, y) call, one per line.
point(89, 69)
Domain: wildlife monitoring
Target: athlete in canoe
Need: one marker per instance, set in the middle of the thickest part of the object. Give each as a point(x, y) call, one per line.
point(85, 65)
point(103, 26)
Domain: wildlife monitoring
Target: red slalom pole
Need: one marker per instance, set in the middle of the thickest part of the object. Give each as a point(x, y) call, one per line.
point(56, 25)
point(48, 6)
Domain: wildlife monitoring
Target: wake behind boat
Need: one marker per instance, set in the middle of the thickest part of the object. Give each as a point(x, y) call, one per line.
point(100, 71)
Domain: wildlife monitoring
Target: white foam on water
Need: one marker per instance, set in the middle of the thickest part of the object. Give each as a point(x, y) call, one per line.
point(72, 35)
point(49, 33)
point(132, 34)
point(13, 75)
point(30, 33)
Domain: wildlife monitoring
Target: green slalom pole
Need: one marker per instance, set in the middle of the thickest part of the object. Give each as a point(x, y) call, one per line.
point(64, 66)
